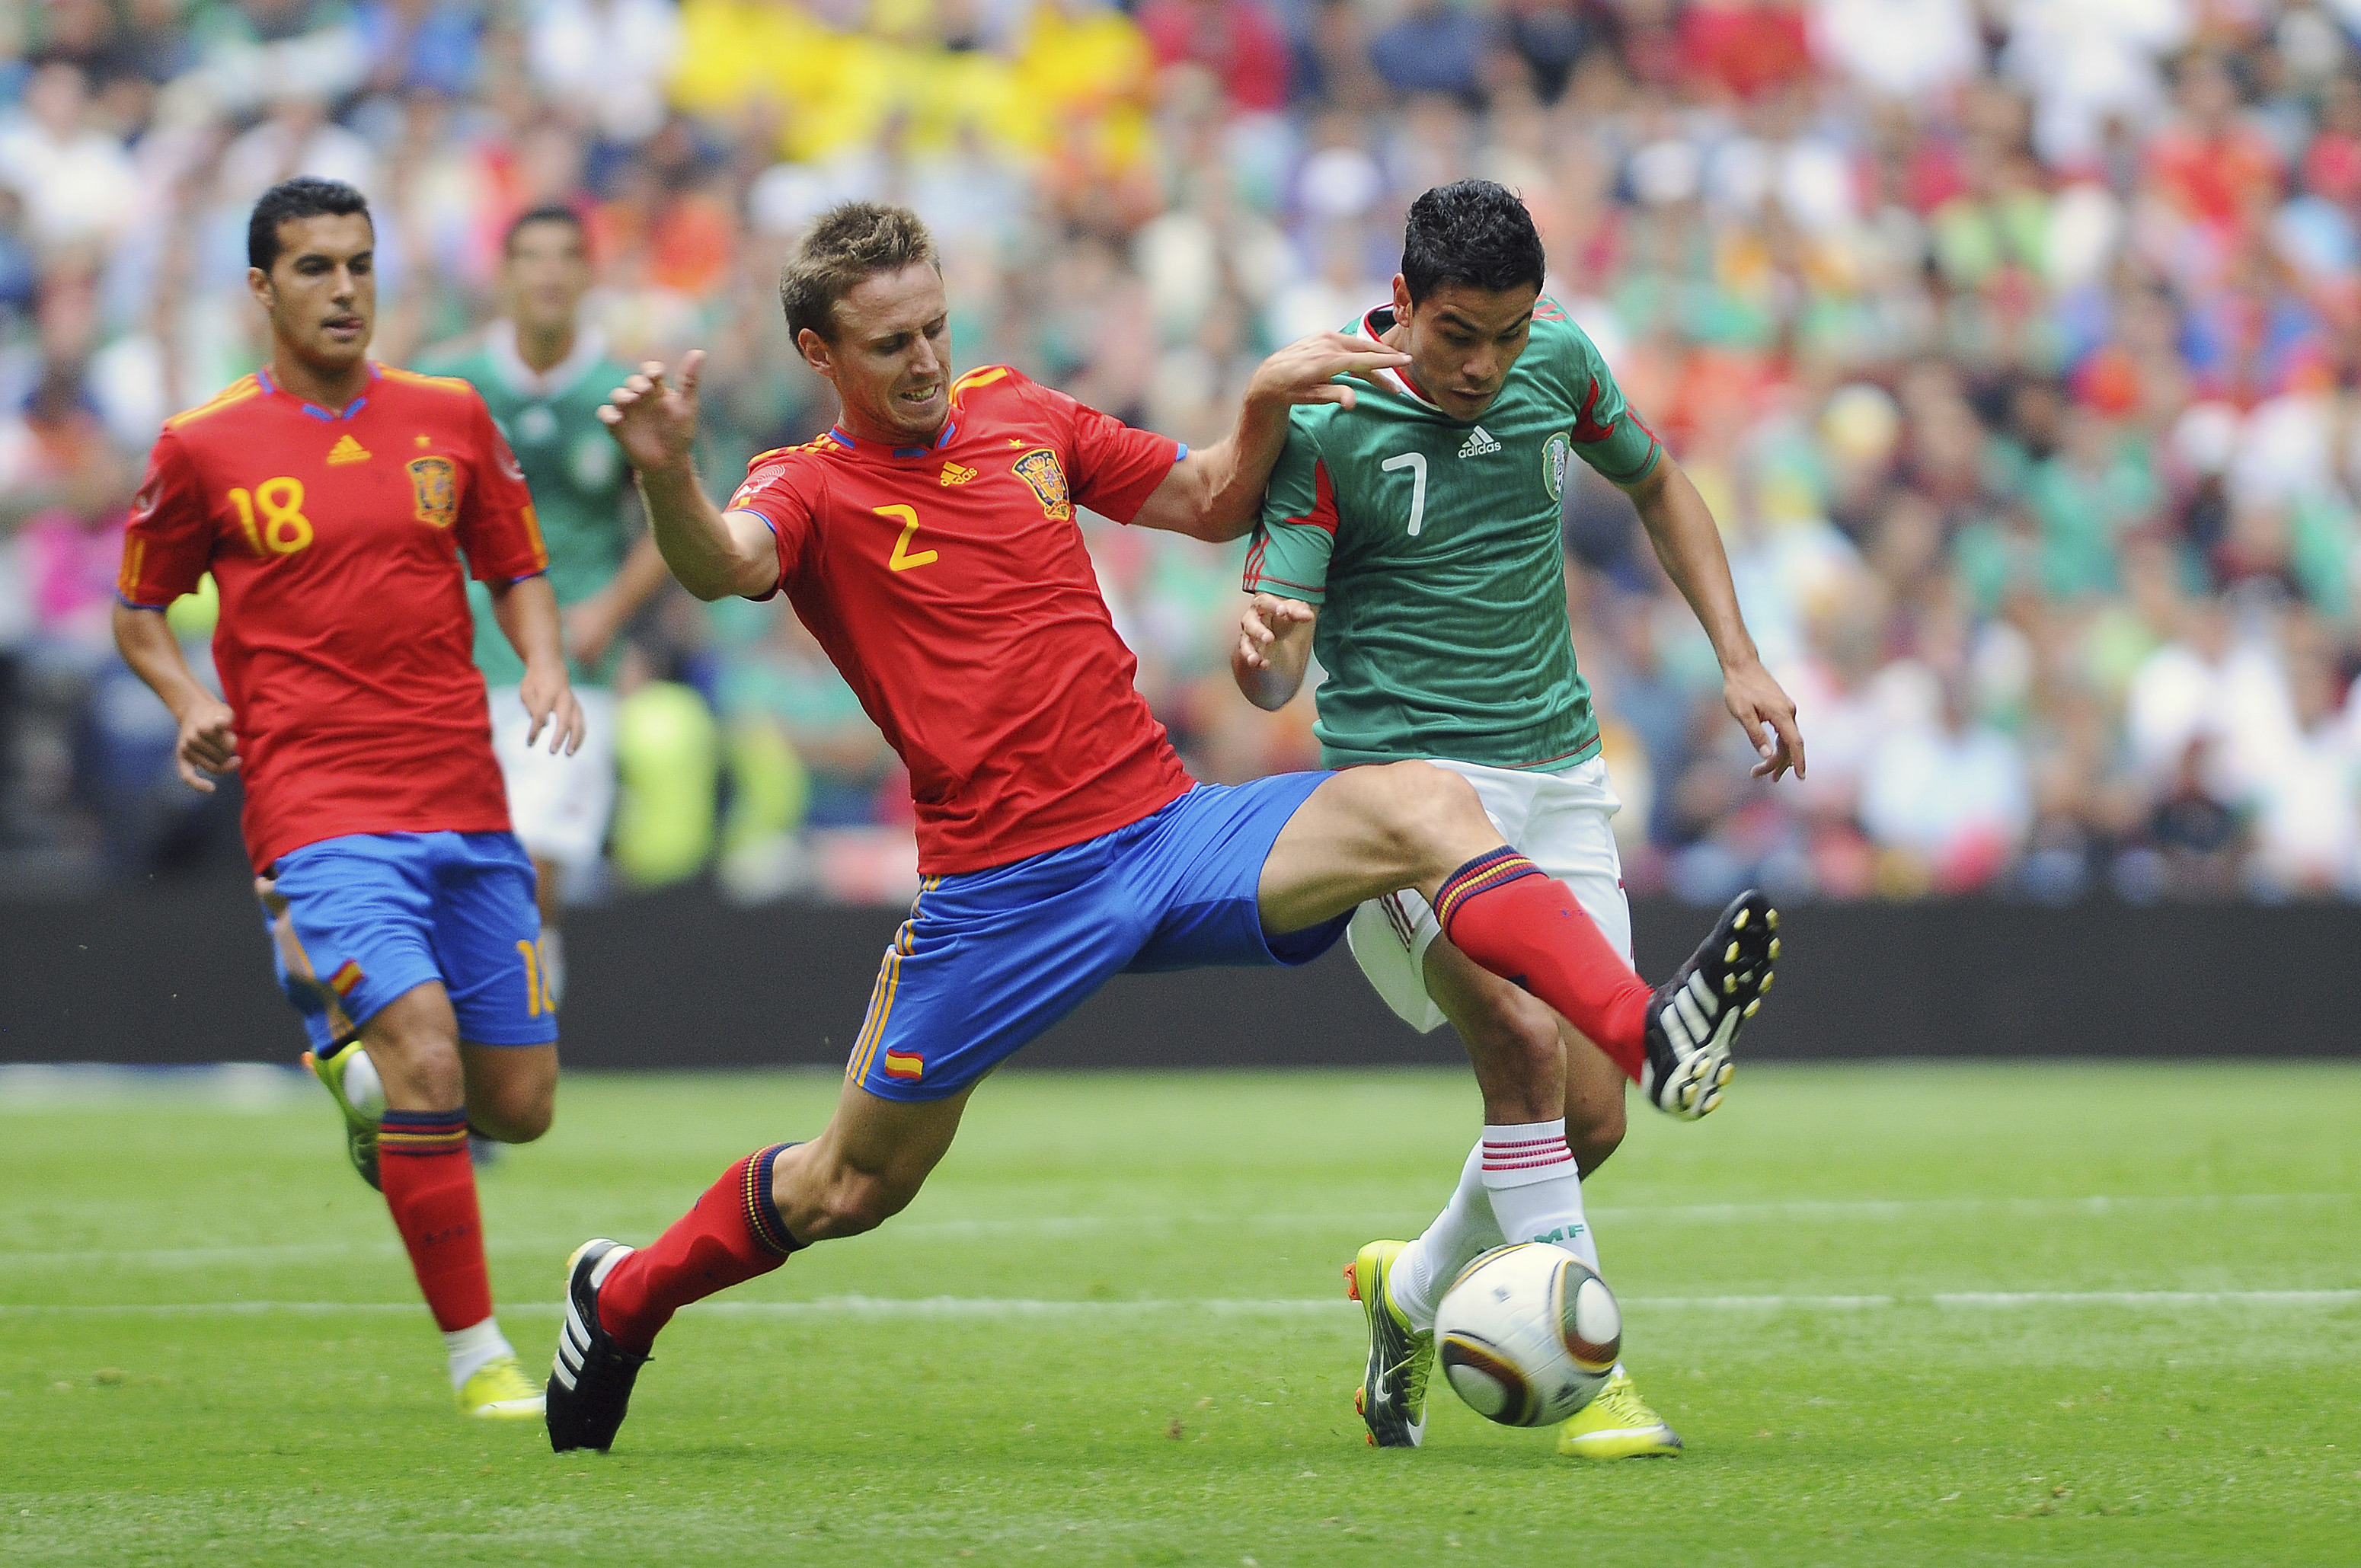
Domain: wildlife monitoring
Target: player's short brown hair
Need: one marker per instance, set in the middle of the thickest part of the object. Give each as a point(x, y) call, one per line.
point(847, 246)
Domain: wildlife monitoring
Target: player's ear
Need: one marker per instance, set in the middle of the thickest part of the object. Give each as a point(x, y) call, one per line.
point(1401, 298)
point(815, 350)
point(258, 283)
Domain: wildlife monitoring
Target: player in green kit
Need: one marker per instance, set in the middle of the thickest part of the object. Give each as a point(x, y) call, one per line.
point(546, 375)
point(1413, 543)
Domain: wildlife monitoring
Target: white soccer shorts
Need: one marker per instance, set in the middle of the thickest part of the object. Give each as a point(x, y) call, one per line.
point(1560, 821)
point(558, 805)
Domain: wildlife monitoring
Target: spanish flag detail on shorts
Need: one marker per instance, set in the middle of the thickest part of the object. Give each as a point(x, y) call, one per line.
point(908, 1066)
point(344, 979)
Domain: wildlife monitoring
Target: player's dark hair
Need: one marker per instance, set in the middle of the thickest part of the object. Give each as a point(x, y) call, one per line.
point(1473, 232)
point(553, 213)
point(305, 196)
point(850, 242)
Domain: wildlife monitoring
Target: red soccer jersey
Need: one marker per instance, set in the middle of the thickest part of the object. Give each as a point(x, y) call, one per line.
point(345, 647)
point(950, 586)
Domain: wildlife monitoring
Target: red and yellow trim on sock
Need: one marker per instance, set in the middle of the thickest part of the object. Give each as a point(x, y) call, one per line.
point(1494, 867)
point(762, 1222)
point(416, 1132)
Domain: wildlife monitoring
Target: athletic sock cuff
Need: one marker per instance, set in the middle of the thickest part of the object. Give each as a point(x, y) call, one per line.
point(762, 1222)
point(1494, 867)
point(423, 1133)
point(1520, 1154)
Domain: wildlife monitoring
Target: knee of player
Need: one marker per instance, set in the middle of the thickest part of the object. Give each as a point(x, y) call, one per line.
point(1430, 812)
point(514, 1115)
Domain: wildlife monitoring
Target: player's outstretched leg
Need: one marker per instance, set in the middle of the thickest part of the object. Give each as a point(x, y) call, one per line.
point(863, 1169)
point(1693, 1017)
point(1367, 831)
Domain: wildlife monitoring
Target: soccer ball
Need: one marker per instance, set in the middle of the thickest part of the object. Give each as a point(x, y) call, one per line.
point(1528, 1335)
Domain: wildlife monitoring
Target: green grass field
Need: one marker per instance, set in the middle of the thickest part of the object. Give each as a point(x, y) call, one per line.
point(1933, 1316)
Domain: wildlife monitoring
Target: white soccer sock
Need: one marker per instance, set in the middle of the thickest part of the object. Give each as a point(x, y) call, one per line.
point(1536, 1188)
point(553, 964)
point(471, 1349)
point(1464, 1230)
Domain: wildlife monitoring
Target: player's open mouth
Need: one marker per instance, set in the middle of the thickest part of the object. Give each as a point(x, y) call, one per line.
point(921, 394)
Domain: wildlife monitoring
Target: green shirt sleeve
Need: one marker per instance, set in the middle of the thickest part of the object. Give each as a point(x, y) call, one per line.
point(1606, 435)
point(1292, 545)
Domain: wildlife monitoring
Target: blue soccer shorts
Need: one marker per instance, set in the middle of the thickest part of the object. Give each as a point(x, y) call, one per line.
point(375, 915)
point(989, 960)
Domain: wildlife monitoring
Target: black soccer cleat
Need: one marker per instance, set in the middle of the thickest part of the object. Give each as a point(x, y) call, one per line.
point(1693, 1017)
point(590, 1383)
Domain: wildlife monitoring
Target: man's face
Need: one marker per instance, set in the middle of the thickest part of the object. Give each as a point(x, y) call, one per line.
point(547, 272)
point(891, 358)
point(1462, 341)
point(321, 290)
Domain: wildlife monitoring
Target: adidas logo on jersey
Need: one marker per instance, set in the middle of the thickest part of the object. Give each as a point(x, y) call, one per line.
point(955, 473)
point(1479, 443)
point(347, 450)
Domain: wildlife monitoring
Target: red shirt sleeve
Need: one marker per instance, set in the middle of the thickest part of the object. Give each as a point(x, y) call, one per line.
point(1115, 468)
point(778, 491)
point(496, 526)
point(169, 543)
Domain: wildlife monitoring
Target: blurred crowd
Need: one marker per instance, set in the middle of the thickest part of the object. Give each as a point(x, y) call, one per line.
point(2016, 345)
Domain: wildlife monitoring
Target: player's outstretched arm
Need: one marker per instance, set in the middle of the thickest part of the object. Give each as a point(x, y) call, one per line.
point(1681, 527)
point(713, 553)
point(1273, 647)
point(527, 611)
point(1215, 493)
point(208, 734)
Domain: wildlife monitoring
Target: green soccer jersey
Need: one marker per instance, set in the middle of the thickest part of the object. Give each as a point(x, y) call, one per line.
point(576, 473)
point(1433, 546)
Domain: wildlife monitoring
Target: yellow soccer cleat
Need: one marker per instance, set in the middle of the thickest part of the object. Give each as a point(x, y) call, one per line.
point(499, 1391)
point(1392, 1395)
point(1618, 1424)
point(347, 1075)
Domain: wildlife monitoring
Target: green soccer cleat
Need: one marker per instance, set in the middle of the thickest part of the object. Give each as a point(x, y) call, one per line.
point(499, 1391)
point(1392, 1395)
point(360, 1131)
point(1618, 1424)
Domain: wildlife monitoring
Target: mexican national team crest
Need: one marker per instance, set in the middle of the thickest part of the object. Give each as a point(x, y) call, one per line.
point(1554, 458)
point(1038, 468)
point(435, 484)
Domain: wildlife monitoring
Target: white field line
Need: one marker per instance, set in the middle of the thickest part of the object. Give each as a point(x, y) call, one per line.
point(1843, 1210)
point(1320, 1306)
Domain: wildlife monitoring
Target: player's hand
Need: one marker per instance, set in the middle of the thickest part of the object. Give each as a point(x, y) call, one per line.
point(550, 703)
point(1269, 620)
point(1305, 370)
point(654, 418)
point(208, 742)
point(1767, 714)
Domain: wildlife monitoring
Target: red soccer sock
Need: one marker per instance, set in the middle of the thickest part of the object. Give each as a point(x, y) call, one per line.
point(430, 1186)
point(1502, 912)
point(732, 1235)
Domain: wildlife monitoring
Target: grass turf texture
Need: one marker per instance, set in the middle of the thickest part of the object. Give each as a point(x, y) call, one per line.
point(903, 1398)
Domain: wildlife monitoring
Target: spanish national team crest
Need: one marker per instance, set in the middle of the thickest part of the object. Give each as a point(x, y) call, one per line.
point(1554, 458)
point(435, 484)
point(1038, 468)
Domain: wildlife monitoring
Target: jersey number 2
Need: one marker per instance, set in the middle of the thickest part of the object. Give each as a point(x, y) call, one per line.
point(901, 560)
point(1416, 463)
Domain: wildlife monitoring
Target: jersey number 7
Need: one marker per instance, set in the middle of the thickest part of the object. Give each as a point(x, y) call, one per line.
point(1416, 463)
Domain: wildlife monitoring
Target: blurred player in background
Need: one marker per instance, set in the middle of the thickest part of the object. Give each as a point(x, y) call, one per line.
point(929, 541)
point(1415, 545)
point(330, 498)
point(544, 374)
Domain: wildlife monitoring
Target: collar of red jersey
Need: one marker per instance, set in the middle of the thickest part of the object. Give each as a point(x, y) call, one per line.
point(314, 410)
point(950, 428)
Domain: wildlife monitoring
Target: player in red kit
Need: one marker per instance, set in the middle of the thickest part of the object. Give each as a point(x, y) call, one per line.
point(929, 542)
point(331, 497)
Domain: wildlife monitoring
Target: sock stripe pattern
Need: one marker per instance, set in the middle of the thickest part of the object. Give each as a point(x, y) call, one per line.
point(1526, 1154)
point(1494, 867)
point(414, 1132)
point(763, 1221)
